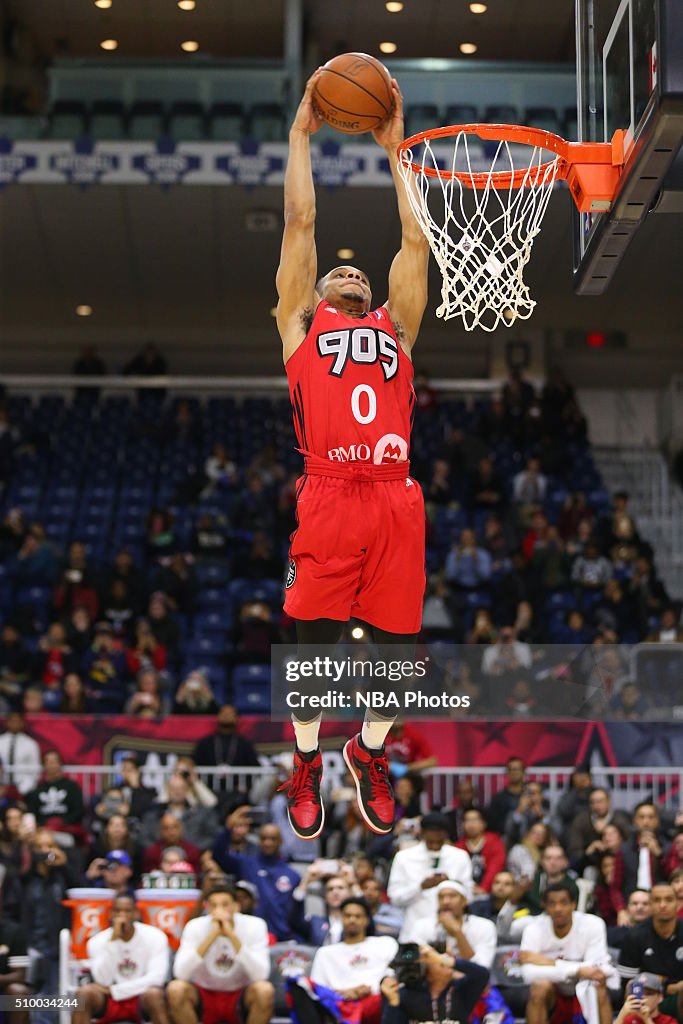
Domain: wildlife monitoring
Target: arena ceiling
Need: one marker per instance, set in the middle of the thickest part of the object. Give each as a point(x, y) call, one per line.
point(509, 30)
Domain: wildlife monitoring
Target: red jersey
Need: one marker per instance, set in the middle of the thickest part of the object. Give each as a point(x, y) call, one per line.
point(351, 389)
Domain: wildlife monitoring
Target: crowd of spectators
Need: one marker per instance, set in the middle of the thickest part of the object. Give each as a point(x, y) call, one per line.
point(142, 547)
point(539, 909)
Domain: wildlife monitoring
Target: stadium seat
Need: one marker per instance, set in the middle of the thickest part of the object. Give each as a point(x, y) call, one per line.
point(269, 591)
point(67, 120)
point(542, 117)
point(146, 120)
point(461, 113)
point(107, 119)
point(420, 116)
point(267, 122)
point(501, 113)
point(227, 123)
point(187, 121)
point(251, 688)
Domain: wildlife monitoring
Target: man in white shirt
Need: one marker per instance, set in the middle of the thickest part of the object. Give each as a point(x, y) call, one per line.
point(353, 968)
point(222, 966)
point(455, 932)
point(129, 965)
point(20, 754)
point(565, 961)
point(417, 870)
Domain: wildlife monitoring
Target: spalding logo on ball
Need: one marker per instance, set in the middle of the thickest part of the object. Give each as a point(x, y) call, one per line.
point(353, 93)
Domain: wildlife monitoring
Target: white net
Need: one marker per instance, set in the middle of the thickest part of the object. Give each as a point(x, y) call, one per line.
point(481, 237)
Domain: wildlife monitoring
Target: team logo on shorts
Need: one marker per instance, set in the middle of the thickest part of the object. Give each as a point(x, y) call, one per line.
point(291, 574)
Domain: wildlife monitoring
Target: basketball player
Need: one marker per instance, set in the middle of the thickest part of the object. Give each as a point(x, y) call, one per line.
point(358, 549)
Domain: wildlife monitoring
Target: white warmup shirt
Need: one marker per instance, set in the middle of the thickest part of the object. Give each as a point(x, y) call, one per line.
point(129, 968)
point(584, 945)
point(221, 969)
point(408, 871)
point(345, 965)
point(480, 933)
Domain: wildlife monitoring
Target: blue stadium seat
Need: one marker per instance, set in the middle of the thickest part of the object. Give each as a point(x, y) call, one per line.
point(251, 688)
point(146, 120)
point(270, 591)
point(107, 119)
point(461, 113)
point(218, 621)
point(210, 645)
point(187, 121)
point(420, 116)
point(543, 117)
point(501, 113)
point(227, 124)
point(67, 120)
point(267, 122)
point(214, 598)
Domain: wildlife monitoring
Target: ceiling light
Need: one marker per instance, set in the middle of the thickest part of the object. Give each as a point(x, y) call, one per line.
point(103, 5)
point(357, 633)
point(394, 6)
point(388, 47)
point(345, 254)
point(109, 44)
point(187, 5)
point(83, 310)
point(478, 8)
point(468, 47)
point(190, 46)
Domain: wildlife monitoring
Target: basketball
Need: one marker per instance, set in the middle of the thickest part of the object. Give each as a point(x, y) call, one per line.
point(353, 93)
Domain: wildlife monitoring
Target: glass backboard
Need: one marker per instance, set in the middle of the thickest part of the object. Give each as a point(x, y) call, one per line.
point(629, 56)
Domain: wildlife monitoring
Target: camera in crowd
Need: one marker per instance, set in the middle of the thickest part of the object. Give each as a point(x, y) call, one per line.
point(408, 966)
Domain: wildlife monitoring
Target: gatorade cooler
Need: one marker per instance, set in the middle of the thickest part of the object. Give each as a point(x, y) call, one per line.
point(167, 909)
point(89, 914)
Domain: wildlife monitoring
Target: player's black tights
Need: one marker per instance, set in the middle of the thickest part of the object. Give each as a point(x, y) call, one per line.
point(328, 631)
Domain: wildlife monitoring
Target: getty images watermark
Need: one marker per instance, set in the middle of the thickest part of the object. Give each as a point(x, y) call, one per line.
point(344, 683)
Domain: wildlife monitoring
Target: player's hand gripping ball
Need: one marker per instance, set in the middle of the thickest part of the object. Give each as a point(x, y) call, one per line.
point(353, 93)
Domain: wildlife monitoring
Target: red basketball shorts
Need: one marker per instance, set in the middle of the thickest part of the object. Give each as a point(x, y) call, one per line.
point(121, 1009)
point(358, 551)
point(220, 1006)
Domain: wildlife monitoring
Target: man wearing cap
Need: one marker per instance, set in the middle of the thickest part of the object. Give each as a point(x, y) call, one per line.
point(657, 947)
point(566, 963)
point(417, 870)
point(451, 928)
point(246, 896)
point(222, 966)
point(111, 872)
point(129, 965)
point(645, 1009)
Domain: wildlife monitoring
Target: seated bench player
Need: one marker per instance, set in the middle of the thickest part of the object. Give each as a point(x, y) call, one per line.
point(222, 966)
point(129, 965)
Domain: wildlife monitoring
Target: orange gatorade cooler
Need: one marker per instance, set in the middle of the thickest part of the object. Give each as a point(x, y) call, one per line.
point(167, 909)
point(89, 915)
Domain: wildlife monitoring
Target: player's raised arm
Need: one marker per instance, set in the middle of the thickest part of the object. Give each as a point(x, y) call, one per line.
point(296, 275)
point(408, 274)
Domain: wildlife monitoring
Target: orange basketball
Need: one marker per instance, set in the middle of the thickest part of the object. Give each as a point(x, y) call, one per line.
point(353, 93)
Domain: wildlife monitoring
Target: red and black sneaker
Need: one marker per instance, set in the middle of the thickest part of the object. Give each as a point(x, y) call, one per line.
point(370, 771)
point(305, 808)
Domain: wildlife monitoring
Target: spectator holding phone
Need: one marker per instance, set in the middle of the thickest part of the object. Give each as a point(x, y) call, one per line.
point(642, 1003)
point(417, 870)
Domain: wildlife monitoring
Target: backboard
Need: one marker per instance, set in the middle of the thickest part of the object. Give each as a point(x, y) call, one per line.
point(629, 76)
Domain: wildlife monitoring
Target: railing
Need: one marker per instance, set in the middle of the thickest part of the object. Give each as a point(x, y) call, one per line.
point(628, 784)
point(37, 384)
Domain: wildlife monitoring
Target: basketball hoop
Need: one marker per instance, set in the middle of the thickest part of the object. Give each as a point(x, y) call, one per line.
point(483, 236)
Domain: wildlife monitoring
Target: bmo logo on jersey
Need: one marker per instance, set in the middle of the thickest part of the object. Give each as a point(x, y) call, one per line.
point(360, 345)
point(389, 448)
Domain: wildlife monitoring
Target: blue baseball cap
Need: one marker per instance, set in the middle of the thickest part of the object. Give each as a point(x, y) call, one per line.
point(119, 857)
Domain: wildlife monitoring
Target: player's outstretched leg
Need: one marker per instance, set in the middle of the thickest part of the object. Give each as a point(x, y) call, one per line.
point(364, 754)
point(305, 808)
